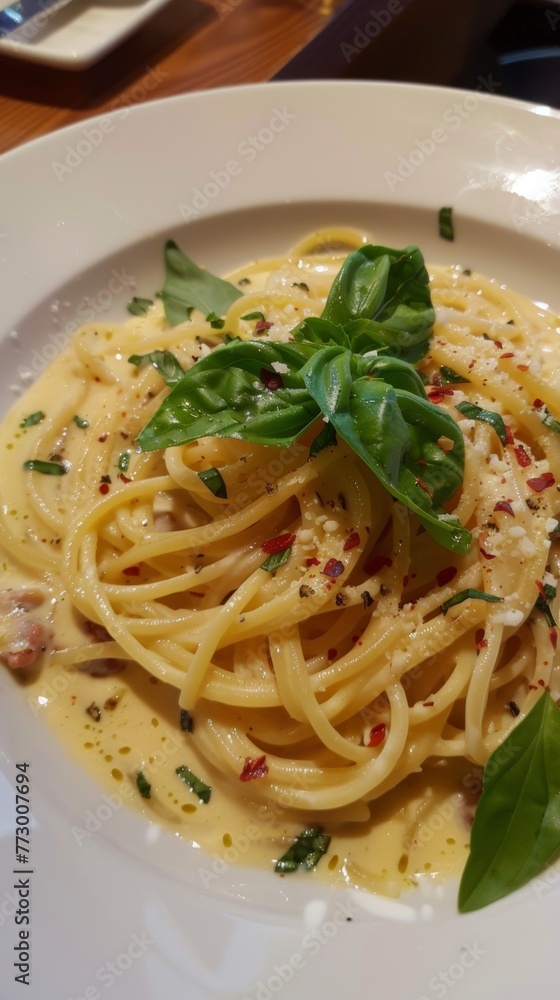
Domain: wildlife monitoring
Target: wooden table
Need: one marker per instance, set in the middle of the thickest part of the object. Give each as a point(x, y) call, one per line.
point(198, 44)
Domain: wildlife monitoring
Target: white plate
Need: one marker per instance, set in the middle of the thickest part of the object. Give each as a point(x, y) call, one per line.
point(99, 197)
point(78, 34)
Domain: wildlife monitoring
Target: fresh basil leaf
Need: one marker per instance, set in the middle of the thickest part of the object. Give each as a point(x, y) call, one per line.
point(139, 307)
point(542, 604)
point(164, 362)
point(276, 560)
point(254, 315)
point(325, 437)
point(212, 478)
point(397, 373)
point(189, 286)
point(445, 223)
point(80, 422)
point(315, 330)
point(474, 412)
point(466, 595)
point(307, 850)
point(123, 461)
point(47, 468)
point(451, 377)
point(222, 396)
point(395, 432)
point(32, 419)
point(389, 289)
point(516, 830)
point(215, 322)
point(143, 786)
point(195, 784)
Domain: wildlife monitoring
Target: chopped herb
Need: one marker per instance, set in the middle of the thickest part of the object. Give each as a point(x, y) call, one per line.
point(195, 784)
point(94, 711)
point(105, 479)
point(143, 786)
point(213, 480)
point(473, 412)
point(366, 598)
point(547, 593)
point(185, 721)
point(47, 468)
point(80, 422)
point(254, 315)
point(123, 461)
point(244, 281)
point(466, 595)
point(306, 591)
point(450, 377)
point(445, 222)
point(32, 419)
point(274, 561)
point(307, 850)
point(139, 307)
point(215, 321)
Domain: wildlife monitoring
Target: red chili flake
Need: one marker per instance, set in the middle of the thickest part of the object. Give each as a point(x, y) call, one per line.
point(124, 478)
point(509, 435)
point(421, 461)
point(446, 575)
point(254, 768)
point(508, 354)
point(538, 404)
point(279, 544)
point(541, 682)
point(103, 438)
point(540, 483)
point(262, 324)
point(523, 368)
point(423, 486)
point(505, 506)
point(376, 562)
point(333, 568)
point(73, 699)
point(480, 641)
point(104, 488)
point(312, 561)
point(533, 687)
point(486, 555)
point(272, 380)
point(132, 571)
point(428, 704)
point(541, 590)
point(439, 394)
point(522, 457)
point(332, 653)
point(499, 345)
point(351, 541)
point(377, 735)
point(553, 637)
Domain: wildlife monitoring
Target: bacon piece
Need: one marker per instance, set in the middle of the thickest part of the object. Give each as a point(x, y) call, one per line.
point(23, 636)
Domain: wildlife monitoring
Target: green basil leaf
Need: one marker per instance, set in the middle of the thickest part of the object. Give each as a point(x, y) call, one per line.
point(325, 437)
point(189, 286)
point(212, 478)
point(542, 604)
point(123, 461)
point(307, 850)
point(32, 419)
point(395, 432)
point(389, 289)
point(315, 330)
point(276, 560)
point(474, 412)
point(164, 362)
point(397, 373)
point(223, 396)
point(143, 786)
point(451, 377)
point(215, 322)
point(47, 468)
point(516, 829)
point(550, 421)
point(466, 595)
point(254, 315)
point(445, 223)
point(80, 422)
point(195, 784)
point(139, 307)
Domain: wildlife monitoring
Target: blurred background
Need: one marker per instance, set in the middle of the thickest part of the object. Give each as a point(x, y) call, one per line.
point(83, 57)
